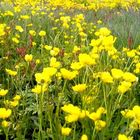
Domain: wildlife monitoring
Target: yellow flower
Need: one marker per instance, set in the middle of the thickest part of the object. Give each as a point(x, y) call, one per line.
point(131, 53)
point(5, 123)
point(14, 103)
point(82, 34)
point(19, 28)
point(66, 74)
point(135, 124)
point(71, 118)
point(99, 21)
point(124, 137)
point(129, 77)
point(58, 75)
point(97, 115)
point(34, 44)
point(24, 17)
point(101, 110)
point(125, 49)
point(79, 87)
point(136, 110)
point(30, 25)
point(19, 65)
point(65, 20)
point(133, 114)
point(45, 76)
point(42, 78)
point(39, 89)
point(124, 87)
point(54, 51)
point(3, 92)
point(103, 32)
point(14, 39)
point(17, 9)
point(65, 131)
point(6, 102)
point(84, 137)
point(28, 57)
point(71, 109)
point(76, 49)
point(95, 42)
point(17, 97)
point(128, 113)
point(76, 65)
point(117, 73)
point(8, 13)
point(74, 113)
point(37, 61)
point(137, 70)
point(32, 32)
point(2, 29)
point(49, 71)
point(6, 58)
point(10, 72)
point(17, 36)
point(83, 114)
point(106, 77)
point(42, 33)
point(94, 116)
point(99, 125)
point(47, 47)
point(54, 63)
point(5, 113)
point(108, 42)
point(85, 59)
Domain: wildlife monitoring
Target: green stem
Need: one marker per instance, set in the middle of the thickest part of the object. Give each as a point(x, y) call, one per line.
point(51, 125)
point(64, 138)
point(128, 66)
point(64, 86)
point(93, 134)
point(57, 117)
point(85, 74)
point(42, 43)
point(40, 110)
point(105, 101)
point(7, 136)
point(6, 133)
point(74, 131)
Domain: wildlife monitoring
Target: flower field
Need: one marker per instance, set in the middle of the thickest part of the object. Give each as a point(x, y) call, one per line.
point(70, 70)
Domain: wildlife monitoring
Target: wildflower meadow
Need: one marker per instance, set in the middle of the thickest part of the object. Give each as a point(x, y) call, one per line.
point(69, 69)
